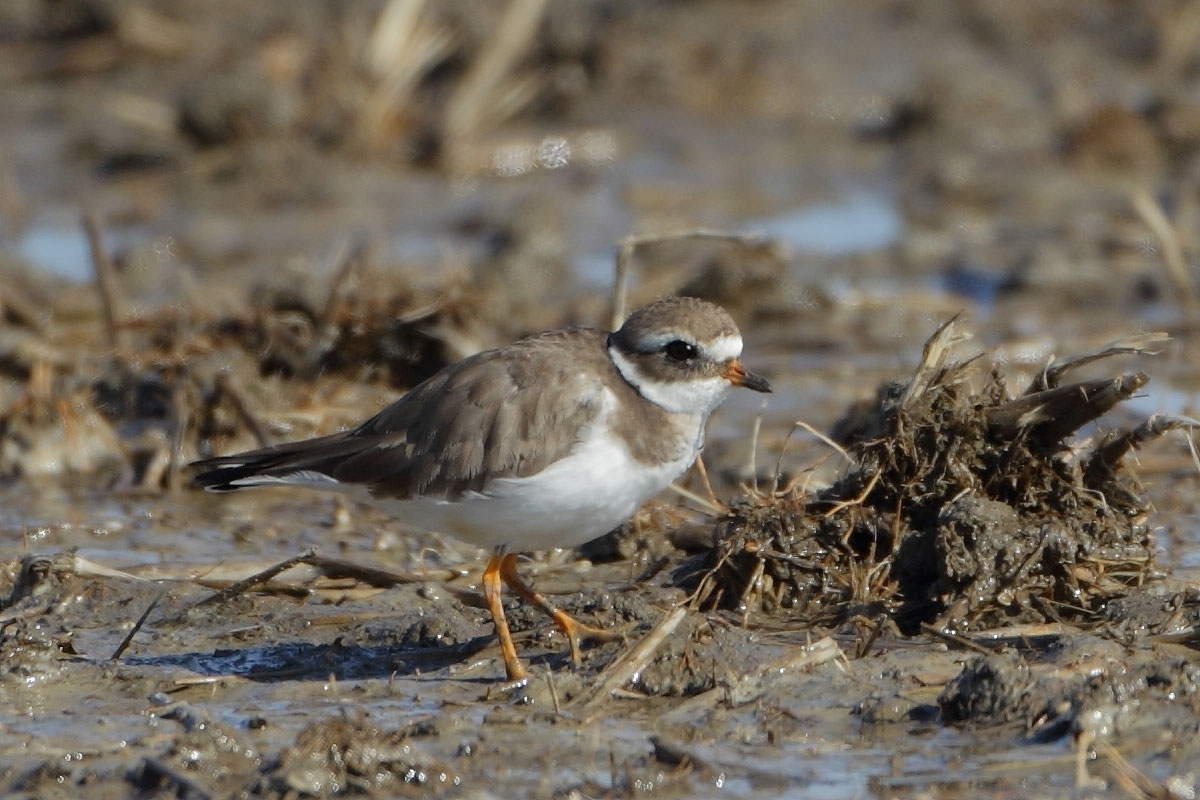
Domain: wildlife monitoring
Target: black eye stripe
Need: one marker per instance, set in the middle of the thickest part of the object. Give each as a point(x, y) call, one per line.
point(679, 350)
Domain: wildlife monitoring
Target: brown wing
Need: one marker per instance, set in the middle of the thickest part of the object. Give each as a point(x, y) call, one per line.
point(504, 413)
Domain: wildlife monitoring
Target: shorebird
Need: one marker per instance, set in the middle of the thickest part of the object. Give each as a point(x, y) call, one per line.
point(548, 442)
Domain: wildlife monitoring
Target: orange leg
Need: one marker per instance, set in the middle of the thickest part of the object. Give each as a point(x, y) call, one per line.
point(492, 576)
point(574, 631)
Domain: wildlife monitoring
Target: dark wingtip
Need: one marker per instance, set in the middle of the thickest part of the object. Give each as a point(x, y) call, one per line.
point(210, 483)
point(218, 474)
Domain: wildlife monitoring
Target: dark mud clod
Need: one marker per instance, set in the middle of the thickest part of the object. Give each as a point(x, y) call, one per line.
point(152, 775)
point(340, 755)
point(1043, 705)
point(989, 691)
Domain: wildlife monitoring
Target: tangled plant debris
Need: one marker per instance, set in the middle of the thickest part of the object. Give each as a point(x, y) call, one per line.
point(178, 384)
point(964, 507)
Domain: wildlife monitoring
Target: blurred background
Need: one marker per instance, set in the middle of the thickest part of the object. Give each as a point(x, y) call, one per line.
point(977, 149)
point(226, 224)
point(363, 192)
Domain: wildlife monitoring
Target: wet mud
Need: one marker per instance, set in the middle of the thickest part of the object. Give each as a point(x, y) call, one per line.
point(1026, 605)
point(955, 556)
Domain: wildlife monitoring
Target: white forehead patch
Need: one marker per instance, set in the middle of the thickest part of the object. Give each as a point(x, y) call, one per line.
point(725, 348)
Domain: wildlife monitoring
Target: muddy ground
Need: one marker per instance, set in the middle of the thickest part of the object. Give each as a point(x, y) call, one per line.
point(954, 556)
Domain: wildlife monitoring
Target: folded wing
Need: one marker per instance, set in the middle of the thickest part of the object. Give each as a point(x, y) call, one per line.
point(501, 414)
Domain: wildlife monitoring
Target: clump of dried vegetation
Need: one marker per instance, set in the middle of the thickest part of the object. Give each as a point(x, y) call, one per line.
point(962, 507)
point(155, 389)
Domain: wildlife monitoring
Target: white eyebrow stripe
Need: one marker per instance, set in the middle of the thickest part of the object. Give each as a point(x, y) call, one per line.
point(725, 348)
point(652, 343)
point(722, 348)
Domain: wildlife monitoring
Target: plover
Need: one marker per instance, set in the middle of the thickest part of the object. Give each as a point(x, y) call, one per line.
point(549, 442)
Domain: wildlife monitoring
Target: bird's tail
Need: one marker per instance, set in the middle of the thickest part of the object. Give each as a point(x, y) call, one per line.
point(304, 463)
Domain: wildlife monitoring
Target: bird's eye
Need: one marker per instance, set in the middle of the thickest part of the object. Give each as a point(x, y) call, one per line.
point(680, 350)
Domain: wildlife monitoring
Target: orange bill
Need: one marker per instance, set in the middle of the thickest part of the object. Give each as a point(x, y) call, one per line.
point(736, 374)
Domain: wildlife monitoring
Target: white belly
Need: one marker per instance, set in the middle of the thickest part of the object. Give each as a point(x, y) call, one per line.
point(592, 490)
point(574, 500)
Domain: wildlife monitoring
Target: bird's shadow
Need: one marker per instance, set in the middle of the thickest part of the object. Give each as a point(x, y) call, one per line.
point(306, 661)
point(311, 661)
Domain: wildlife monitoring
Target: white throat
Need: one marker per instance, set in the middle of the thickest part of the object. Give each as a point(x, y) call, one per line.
point(699, 396)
